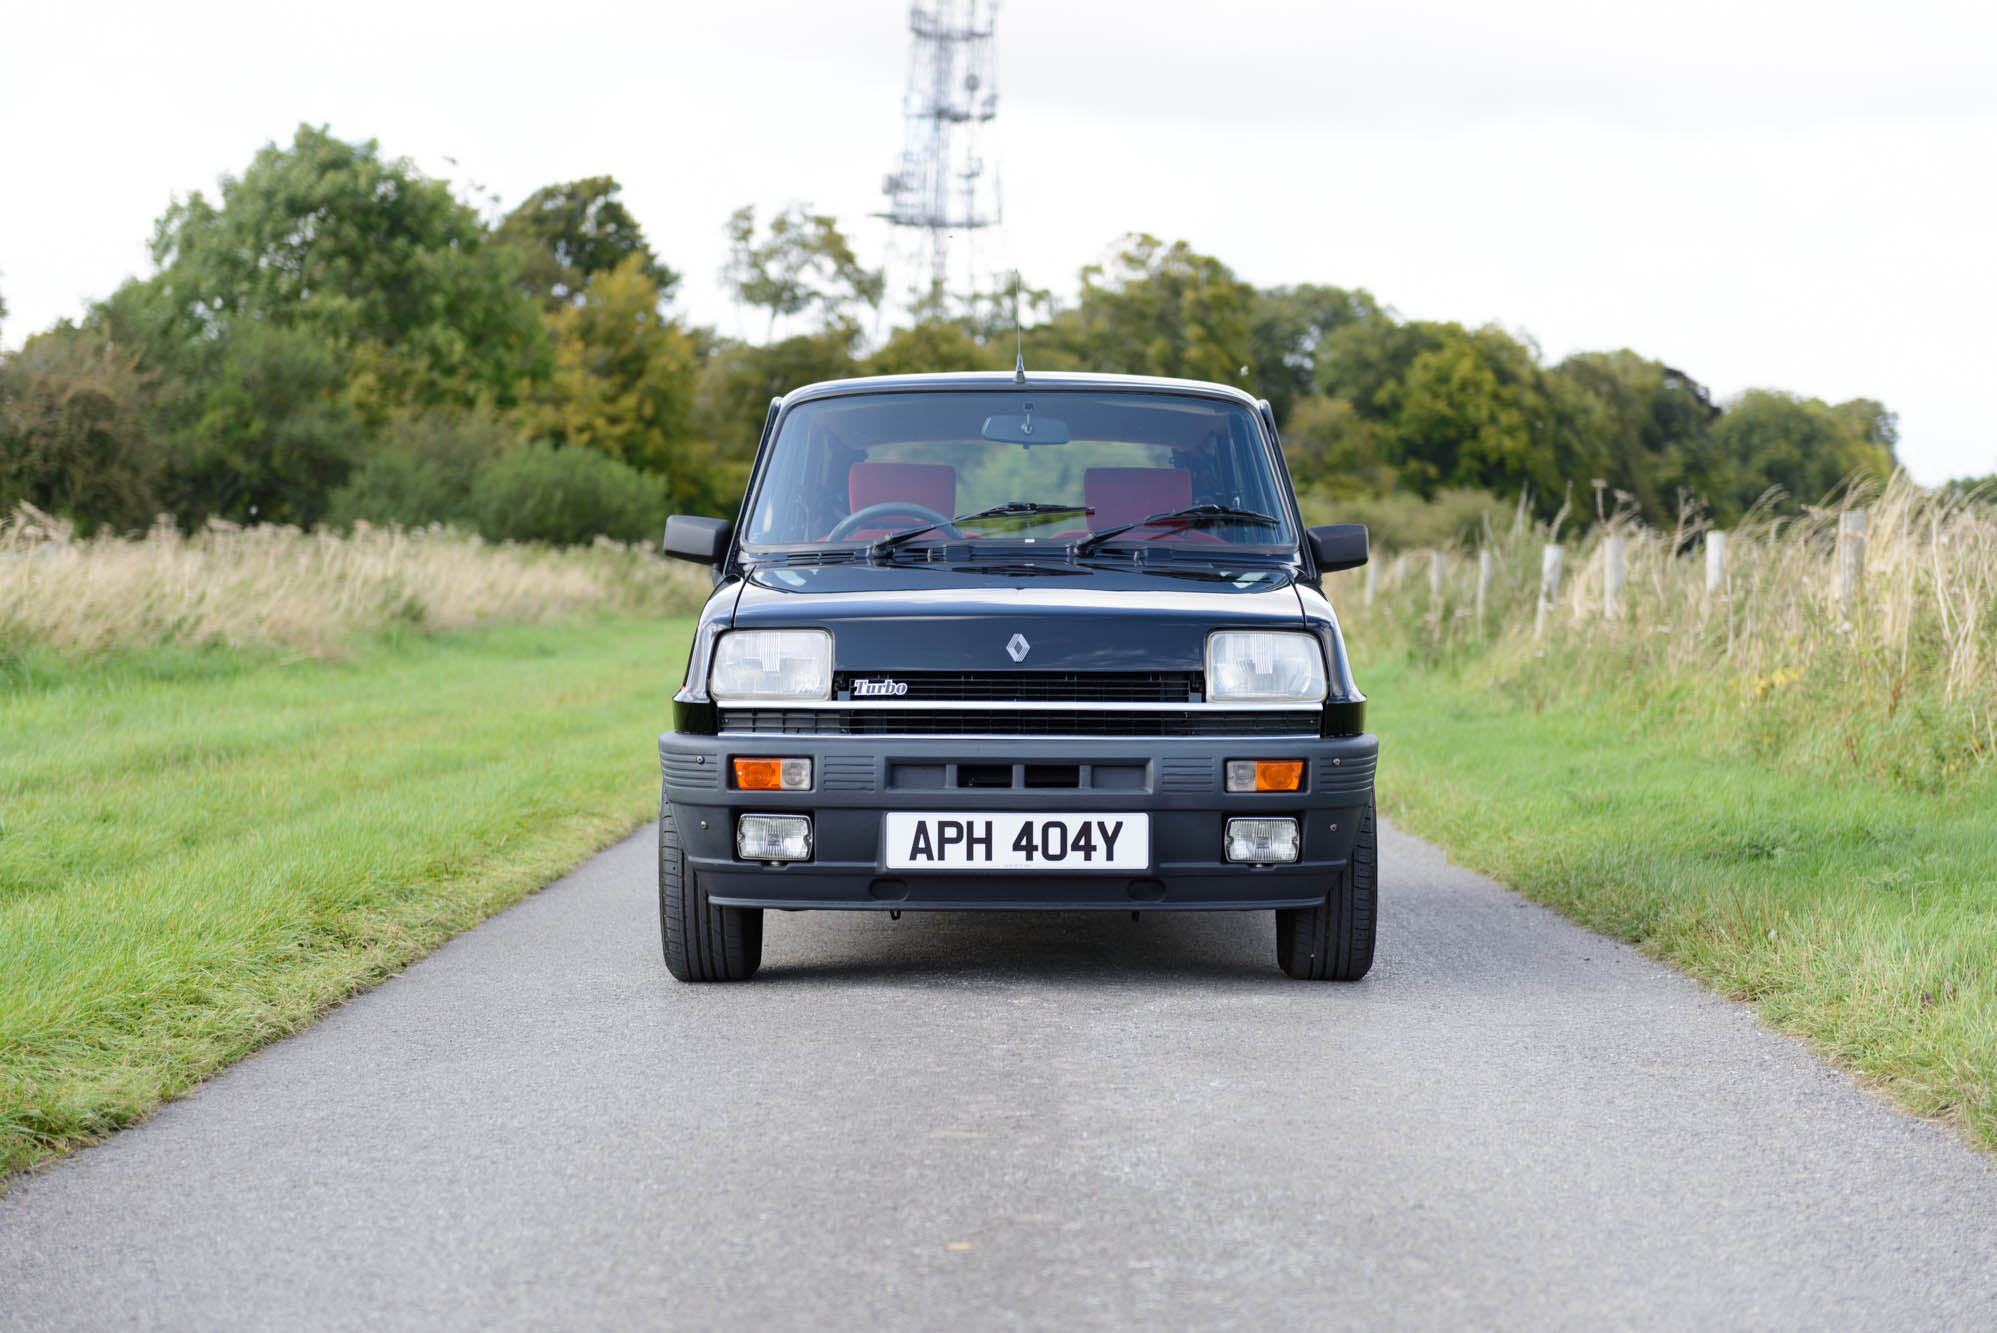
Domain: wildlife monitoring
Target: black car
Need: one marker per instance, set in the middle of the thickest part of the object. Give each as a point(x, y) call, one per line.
point(985, 641)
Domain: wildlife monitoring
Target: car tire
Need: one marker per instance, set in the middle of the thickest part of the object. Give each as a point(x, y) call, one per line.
point(702, 942)
point(1333, 941)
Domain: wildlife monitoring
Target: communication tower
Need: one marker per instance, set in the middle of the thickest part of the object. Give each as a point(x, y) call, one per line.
point(952, 93)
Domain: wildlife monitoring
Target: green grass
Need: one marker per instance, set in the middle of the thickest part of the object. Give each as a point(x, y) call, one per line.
point(201, 851)
point(1859, 916)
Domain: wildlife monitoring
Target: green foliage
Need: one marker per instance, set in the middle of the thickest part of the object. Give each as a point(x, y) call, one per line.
point(75, 430)
point(1804, 446)
point(368, 256)
point(732, 395)
point(566, 234)
point(1331, 447)
point(422, 469)
point(1286, 329)
point(803, 260)
point(264, 433)
point(1402, 521)
point(1654, 425)
point(567, 496)
point(1364, 361)
point(1162, 309)
point(935, 345)
point(624, 382)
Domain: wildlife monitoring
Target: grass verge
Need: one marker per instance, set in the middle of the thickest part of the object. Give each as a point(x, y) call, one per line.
point(201, 850)
point(1860, 917)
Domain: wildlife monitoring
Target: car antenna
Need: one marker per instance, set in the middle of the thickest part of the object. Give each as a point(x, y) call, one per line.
point(1018, 336)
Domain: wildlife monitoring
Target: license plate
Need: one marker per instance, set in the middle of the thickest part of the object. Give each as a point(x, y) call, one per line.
point(988, 841)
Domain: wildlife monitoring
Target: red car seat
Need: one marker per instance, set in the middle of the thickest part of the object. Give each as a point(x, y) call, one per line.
point(931, 485)
point(1126, 494)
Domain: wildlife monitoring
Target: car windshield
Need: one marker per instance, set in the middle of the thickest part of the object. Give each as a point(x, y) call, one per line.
point(1020, 468)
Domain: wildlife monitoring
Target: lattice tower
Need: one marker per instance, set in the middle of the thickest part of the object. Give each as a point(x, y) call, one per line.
point(942, 186)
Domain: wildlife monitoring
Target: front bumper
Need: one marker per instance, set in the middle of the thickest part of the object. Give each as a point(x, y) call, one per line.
point(1177, 781)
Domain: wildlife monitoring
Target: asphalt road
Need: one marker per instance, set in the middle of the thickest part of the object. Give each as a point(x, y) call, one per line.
point(1017, 1121)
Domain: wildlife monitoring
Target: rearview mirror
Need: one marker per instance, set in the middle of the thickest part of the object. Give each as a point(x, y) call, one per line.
point(1338, 546)
point(701, 540)
point(1026, 429)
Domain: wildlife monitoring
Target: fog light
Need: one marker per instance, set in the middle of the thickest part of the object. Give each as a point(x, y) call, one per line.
point(1261, 840)
point(1265, 774)
point(761, 774)
point(773, 837)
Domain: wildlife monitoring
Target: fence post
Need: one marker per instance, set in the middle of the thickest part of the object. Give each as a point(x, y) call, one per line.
point(1615, 565)
point(1372, 580)
point(1549, 584)
point(1400, 570)
point(1484, 566)
point(1435, 571)
point(1716, 561)
point(1851, 556)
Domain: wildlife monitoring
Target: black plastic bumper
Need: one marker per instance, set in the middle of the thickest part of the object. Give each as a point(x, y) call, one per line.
point(856, 780)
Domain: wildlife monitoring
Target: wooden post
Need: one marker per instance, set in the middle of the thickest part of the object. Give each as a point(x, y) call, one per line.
point(1372, 580)
point(1549, 584)
point(1615, 566)
point(1485, 564)
point(1851, 556)
point(1716, 561)
point(1436, 566)
point(1400, 569)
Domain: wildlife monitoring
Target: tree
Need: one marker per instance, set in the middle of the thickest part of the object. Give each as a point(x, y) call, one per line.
point(1654, 429)
point(935, 345)
point(566, 234)
point(1803, 446)
point(1162, 309)
point(1360, 361)
point(802, 260)
point(624, 381)
point(567, 496)
point(1330, 447)
point(75, 433)
point(732, 394)
point(1287, 325)
point(422, 468)
point(1465, 411)
point(264, 433)
point(379, 263)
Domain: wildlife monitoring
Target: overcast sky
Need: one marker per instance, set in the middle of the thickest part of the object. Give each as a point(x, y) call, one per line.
point(1799, 194)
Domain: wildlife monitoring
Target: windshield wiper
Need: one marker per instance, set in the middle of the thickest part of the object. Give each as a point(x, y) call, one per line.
point(1200, 515)
point(1010, 509)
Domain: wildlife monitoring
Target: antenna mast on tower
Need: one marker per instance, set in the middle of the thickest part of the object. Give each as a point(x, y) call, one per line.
point(952, 94)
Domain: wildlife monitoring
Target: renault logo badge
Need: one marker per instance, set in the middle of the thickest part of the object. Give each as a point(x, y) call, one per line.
point(1017, 647)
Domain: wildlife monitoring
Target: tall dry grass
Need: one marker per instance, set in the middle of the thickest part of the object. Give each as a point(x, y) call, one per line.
point(272, 587)
point(1896, 682)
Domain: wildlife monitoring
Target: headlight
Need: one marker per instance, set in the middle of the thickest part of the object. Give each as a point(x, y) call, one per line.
point(1254, 666)
point(771, 664)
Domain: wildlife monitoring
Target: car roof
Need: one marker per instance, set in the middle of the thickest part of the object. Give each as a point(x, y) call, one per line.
point(1004, 379)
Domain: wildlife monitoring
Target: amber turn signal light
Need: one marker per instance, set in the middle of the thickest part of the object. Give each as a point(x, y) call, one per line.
point(1265, 774)
point(773, 774)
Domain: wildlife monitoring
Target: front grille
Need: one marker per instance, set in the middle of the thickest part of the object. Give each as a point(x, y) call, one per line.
point(1015, 722)
point(1025, 687)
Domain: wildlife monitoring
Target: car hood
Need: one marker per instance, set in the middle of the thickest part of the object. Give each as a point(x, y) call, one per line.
point(927, 617)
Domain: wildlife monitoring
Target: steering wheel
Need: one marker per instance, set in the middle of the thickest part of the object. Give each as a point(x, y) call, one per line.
point(868, 516)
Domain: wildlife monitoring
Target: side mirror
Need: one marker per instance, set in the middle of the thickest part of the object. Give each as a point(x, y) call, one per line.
point(701, 540)
point(1338, 546)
